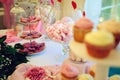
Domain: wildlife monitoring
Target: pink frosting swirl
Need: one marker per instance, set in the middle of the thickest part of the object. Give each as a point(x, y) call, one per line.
point(69, 71)
point(84, 23)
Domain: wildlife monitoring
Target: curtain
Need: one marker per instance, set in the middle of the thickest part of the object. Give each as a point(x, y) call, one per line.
point(7, 6)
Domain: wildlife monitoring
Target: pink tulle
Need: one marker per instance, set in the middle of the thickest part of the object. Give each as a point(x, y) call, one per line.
point(11, 36)
point(40, 28)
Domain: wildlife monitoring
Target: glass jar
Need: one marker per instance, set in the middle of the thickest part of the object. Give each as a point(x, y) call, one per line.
point(16, 13)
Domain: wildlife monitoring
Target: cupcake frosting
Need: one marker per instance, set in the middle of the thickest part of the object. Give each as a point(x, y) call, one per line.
point(85, 77)
point(110, 25)
point(84, 23)
point(115, 77)
point(69, 70)
point(99, 38)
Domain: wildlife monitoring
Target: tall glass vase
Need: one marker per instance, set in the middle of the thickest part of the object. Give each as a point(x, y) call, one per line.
point(47, 15)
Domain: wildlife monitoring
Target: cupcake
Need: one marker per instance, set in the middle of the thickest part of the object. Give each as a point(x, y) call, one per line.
point(81, 27)
point(85, 77)
point(99, 43)
point(115, 77)
point(112, 26)
point(69, 72)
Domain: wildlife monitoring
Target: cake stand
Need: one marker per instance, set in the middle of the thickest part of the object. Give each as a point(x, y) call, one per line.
point(102, 65)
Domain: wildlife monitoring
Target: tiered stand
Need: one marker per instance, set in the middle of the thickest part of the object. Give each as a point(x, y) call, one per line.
point(102, 65)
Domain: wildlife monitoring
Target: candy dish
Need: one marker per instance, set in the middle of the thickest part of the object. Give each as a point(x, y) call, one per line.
point(32, 48)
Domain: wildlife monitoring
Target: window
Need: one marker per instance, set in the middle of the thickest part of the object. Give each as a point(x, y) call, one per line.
point(110, 9)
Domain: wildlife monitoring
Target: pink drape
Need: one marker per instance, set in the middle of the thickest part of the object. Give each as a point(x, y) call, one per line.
point(7, 6)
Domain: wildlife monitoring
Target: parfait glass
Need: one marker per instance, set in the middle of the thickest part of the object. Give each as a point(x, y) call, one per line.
point(65, 48)
point(47, 16)
point(65, 45)
point(60, 33)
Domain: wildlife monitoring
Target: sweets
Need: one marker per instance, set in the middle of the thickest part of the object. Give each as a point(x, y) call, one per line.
point(69, 72)
point(81, 27)
point(33, 47)
point(30, 35)
point(59, 32)
point(99, 43)
point(112, 26)
point(115, 77)
point(30, 19)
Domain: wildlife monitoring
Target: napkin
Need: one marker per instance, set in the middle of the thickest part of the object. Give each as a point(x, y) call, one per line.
point(11, 36)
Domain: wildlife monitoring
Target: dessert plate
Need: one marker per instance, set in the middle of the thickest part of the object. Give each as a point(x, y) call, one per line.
point(27, 35)
point(33, 47)
point(36, 53)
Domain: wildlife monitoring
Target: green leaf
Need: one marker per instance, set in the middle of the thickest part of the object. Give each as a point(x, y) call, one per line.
point(11, 58)
point(1, 58)
point(2, 39)
point(18, 46)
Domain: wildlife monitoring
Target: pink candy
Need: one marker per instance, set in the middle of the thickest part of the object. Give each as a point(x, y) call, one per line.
point(58, 31)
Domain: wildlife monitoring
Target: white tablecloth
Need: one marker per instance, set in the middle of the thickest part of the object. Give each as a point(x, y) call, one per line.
point(52, 54)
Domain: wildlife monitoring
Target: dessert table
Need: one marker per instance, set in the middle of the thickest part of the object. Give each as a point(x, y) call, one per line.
point(51, 55)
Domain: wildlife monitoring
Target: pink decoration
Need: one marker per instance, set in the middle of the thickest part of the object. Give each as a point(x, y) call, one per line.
point(11, 36)
point(7, 5)
point(40, 28)
point(11, 33)
point(32, 26)
point(84, 14)
point(59, 32)
point(74, 5)
point(60, 1)
point(52, 2)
